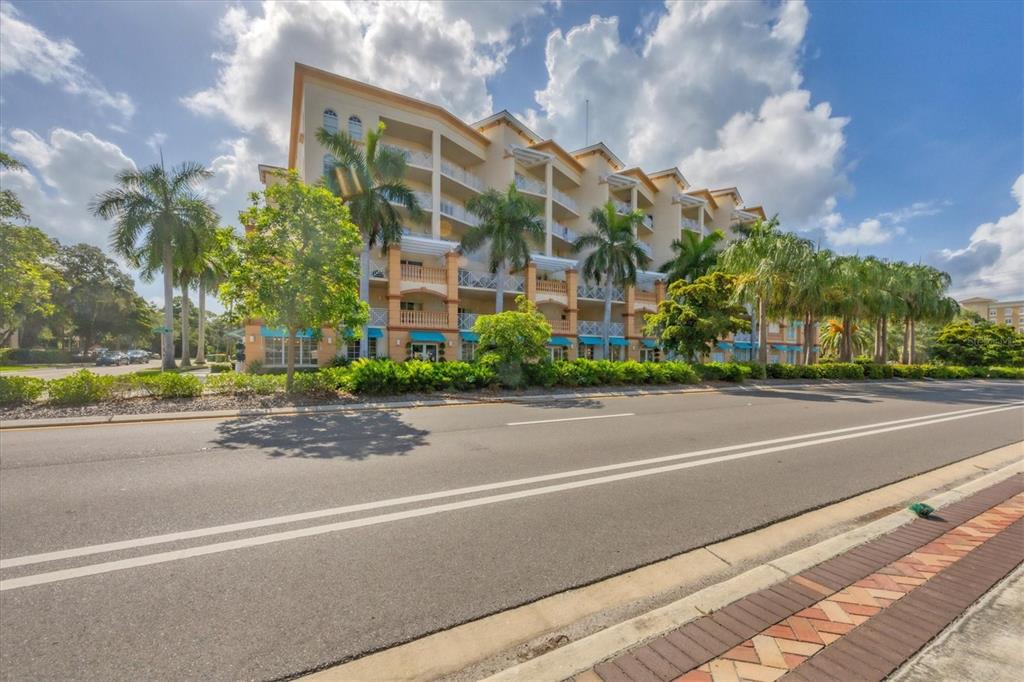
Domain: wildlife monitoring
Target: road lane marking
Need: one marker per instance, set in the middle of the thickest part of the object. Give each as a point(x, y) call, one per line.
point(215, 548)
point(571, 419)
point(452, 492)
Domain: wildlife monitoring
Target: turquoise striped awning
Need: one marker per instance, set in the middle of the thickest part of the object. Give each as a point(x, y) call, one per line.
point(282, 333)
point(427, 337)
point(785, 347)
point(472, 337)
point(591, 340)
point(724, 345)
point(744, 345)
point(374, 333)
point(559, 341)
point(617, 341)
point(649, 343)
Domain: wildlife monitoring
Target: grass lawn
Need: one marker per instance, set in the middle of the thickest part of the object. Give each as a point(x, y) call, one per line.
point(15, 368)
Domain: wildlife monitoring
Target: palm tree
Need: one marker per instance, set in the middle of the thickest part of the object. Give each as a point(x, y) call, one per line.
point(694, 255)
point(152, 210)
point(853, 304)
point(921, 290)
point(811, 290)
point(508, 221)
point(834, 339)
point(211, 272)
point(370, 179)
point(615, 255)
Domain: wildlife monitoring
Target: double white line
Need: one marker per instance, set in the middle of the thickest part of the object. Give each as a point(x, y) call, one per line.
point(746, 450)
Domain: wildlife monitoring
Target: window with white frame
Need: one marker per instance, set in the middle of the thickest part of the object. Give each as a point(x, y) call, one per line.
point(329, 163)
point(649, 355)
point(468, 351)
point(423, 351)
point(558, 353)
point(274, 351)
point(355, 128)
point(330, 121)
point(617, 353)
point(586, 351)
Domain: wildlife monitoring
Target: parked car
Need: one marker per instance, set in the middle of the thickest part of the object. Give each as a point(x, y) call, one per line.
point(112, 358)
point(138, 356)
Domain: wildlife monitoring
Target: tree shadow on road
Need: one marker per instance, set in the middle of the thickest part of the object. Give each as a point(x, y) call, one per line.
point(351, 435)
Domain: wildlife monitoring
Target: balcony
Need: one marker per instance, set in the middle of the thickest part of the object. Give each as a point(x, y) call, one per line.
point(646, 297)
point(530, 185)
point(621, 206)
point(378, 317)
point(467, 320)
point(646, 248)
point(477, 280)
point(423, 318)
point(458, 212)
point(689, 224)
point(596, 328)
point(563, 232)
point(560, 327)
point(460, 174)
point(378, 269)
point(565, 200)
point(414, 157)
point(648, 222)
point(597, 292)
point(549, 286)
point(744, 217)
point(425, 274)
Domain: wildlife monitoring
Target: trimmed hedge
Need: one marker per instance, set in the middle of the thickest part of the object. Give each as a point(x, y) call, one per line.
point(18, 390)
point(167, 385)
point(233, 383)
point(80, 388)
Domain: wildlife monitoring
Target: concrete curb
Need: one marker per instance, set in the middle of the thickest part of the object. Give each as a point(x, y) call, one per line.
point(583, 654)
point(477, 648)
point(14, 425)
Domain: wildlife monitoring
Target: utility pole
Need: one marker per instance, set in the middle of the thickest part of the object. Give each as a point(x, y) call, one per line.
point(588, 124)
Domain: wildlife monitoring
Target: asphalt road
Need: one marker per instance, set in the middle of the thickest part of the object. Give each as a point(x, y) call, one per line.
point(355, 532)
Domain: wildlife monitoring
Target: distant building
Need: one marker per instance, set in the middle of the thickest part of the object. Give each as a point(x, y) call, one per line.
point(997, 312)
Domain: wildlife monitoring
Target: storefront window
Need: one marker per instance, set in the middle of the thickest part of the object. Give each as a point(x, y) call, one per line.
point(423, 351)
point(468, 351)
point(305, 351)
point(558, 353)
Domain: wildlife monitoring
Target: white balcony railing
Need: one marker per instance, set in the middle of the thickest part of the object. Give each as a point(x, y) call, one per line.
point(378, 317)
point(563, 232)
point(423, 318)
point(530, 185)
point(467, 320)
point(690, 224)
point(565, 200)
point(621, 206)
point(458, 212)
point(596, 328)
point(646, 248)
point(515, 283)
point(479, 280)
point(648, 222)
point(425, 274)
point(378, 269)
point(560, 327)
point(597, 292)
point(414, 157)
point(462, 175)
point(552, 287)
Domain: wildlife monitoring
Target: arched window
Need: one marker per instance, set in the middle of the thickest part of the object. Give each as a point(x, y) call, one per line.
point(330, 121)
point(355, 128)
point(329, 162)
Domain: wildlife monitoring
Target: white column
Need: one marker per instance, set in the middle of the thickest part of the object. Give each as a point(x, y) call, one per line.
point(435, 185)
point(633, 204)
point(700, 220)
point(549, 220)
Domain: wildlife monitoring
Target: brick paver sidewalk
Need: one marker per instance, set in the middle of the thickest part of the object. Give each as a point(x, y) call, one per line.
point(857, 616)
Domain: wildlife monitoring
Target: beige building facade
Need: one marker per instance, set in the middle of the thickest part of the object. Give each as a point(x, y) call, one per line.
point(997, 312)
point(425, 295)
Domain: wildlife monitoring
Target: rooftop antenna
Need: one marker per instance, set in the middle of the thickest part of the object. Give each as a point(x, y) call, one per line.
point(588, 124)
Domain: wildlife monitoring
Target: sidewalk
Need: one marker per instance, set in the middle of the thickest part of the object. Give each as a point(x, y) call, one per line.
point(857, 616)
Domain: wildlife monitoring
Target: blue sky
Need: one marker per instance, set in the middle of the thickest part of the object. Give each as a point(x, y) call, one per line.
point(885, 128)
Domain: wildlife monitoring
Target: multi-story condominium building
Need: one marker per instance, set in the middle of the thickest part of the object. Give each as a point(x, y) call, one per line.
point(997, 312)
point(425, 295)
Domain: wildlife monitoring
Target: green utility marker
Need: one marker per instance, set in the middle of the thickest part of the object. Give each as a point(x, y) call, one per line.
point(921, 509)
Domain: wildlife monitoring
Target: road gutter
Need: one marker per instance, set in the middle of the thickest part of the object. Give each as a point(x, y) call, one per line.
point(560, 635)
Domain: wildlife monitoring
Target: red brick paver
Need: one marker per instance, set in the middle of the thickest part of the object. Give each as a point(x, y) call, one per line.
point(856, 616)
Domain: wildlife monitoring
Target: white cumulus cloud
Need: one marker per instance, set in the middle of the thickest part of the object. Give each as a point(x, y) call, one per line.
point(25, 49)
point(992, 263)
point(716, 89)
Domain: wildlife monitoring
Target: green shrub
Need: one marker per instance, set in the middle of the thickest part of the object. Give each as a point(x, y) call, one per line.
point(218, 367)
point(723, 371)
point(873, 370)
point(418, 376)
point(655, 373)
point(783, 371)
point(1006, 372)
point(80, 388)
point(463, 376)
point(217, 357)
point(978, 372)
point(321, 384)
point(171, 385)
point(375, 376)
point(680, 372)
point(808, 371)
point(840, 370)
point(254, 367)
point(18, 390)
point(947, 372)
point(233, 383)
point(757, 370)
point(543, 373)
point(908, 371)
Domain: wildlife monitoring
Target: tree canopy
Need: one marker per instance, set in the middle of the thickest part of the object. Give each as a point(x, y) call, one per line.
point(693, 316)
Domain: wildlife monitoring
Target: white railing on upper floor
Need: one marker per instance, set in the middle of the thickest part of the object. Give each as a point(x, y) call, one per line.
point(596, 328)
point(646, 248)
point(563, 232)
point(597, 292)
point(467, 320)
point(414, 157)
point(378, 317)
point(621, 206)
point(565, 200)
point(479, 280)
point(689, 224)
point(378, 268)
point(530, 185)
point(462, 175)
point(648, 222)
point(458, 212)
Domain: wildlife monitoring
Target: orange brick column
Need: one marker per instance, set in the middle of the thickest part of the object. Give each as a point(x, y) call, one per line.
point(628, 318)
point(396, 351)
point(570, 308)
point(451, 264)
point(659, 290)
point(530, 281)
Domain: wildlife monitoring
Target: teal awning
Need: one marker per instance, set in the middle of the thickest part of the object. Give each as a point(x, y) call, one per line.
point(591, 340)
point(744, 345)
point(649, 343)
point(559, 341)
point(785, 347)
point(617, 341)
point(374, 333)
point(282, 333)
point(724, 345)
point(472, 337)
point(427, 337)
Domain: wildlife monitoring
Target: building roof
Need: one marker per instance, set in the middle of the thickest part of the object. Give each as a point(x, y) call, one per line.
point(550, 145)
point(602, 149)
point(506, 117)
point(731, 191)
point(636, 172)
point(267, 169)
point(674, 173)
point(756, 210)
point(304, 71)
point(704, 194)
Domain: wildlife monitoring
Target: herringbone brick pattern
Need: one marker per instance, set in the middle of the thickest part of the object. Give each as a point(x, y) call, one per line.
point(802, 617)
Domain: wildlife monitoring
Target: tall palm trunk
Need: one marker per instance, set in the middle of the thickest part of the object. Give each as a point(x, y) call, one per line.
point(808, 339)
point(607, 338)
point(364, 295)
point(186, 361)
point(499, 288)
point(905, 355)
point(167, 337)
point(913, 338)
point(762, 331)
point(201, 326)
point(846, 343)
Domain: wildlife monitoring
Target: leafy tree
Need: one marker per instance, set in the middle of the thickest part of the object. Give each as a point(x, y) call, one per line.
point(153, 211)
point(370, 179)
point(615, 255)
point(10, 206)
point(27, 276)
point(296, 267)
point(968, 343)
point(811, 290)
point(512, 338)
point(694, 255)
point(507, 223)
point(693, 316)
point(832, 337)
